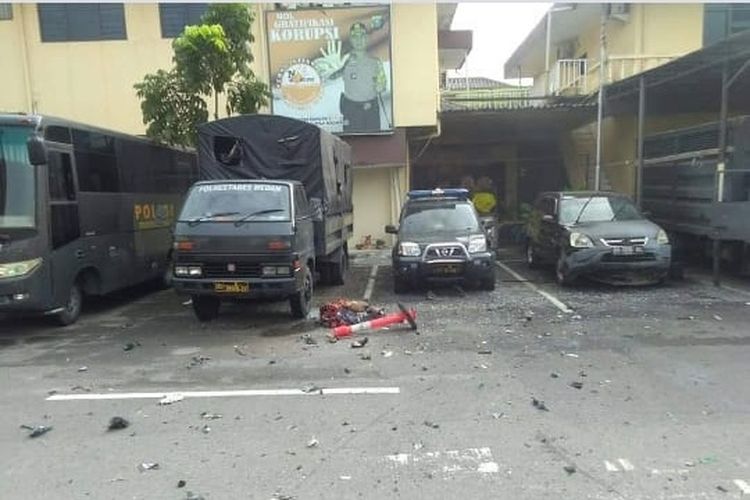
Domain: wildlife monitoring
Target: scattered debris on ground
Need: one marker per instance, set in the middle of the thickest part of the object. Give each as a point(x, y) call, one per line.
point(554, 375)
point(129, 346)
point(387, 354)
point(83, 369)
point(722, 489)
point(718, 318)
point(312, 389)
point(570, 469)
point(365, 356)
point(117, 423)
point(37, 430)
point(484, 350)
point(240, 351)
point(576, 385)
point(80, 388)
point(498, 416)
point(538, 404)
point(211, 416)
point(430, 295)
point(181, 483)
point(197, 361)
point(360, 343)
point(194, 496)
point(148, 466)
point(308, 339)
point(313, 443)
point(205, 429)
point(168, 399)
point(431, 424)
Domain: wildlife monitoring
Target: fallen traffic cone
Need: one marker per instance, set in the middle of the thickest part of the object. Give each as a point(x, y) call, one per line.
point(408, 315)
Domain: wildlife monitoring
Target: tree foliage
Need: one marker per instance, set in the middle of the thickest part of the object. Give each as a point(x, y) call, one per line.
point(210, 59)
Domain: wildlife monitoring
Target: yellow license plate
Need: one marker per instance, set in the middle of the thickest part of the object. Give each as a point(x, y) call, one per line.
point(447, 269)
point(231, 287)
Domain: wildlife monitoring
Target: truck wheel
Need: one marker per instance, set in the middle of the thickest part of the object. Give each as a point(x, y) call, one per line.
point(72, 307)
point(532, 260)
point(301, 301)
point(205, 308)
point(338, 269)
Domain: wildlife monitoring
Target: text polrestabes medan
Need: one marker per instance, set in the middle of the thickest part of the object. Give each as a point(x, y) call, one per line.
point(288, 29)
point(240, 187)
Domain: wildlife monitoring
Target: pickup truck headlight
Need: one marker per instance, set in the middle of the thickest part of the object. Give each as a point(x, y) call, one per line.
point(195, 271)
point(408, 249)
point(477, 244)
point(22, 268)
point(580, 240)
point(662, 238)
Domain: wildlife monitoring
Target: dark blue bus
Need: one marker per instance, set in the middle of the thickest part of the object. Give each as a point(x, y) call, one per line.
point(83, 211)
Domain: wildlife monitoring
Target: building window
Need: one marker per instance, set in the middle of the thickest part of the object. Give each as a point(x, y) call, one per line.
point(67, 22)
point(175, 16)
point(723, 20)
point(6, 11)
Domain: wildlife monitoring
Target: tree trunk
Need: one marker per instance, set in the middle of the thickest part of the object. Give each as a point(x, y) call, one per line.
point(216, 105)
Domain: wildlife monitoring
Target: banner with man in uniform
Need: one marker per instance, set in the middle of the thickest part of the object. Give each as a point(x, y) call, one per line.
point(332, 67)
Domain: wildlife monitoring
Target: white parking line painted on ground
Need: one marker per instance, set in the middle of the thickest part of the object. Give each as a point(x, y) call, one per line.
point(743, 486)
point(555, 301)
point(337, 391)
point(469, 460)
point(371, 282)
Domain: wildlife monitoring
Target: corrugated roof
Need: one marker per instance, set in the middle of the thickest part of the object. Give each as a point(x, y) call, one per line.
point(474, 83)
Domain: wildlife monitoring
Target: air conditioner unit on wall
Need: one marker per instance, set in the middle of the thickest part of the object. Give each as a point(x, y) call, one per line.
point(619, 11)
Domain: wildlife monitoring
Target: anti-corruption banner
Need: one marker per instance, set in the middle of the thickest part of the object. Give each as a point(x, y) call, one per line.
point(332, 67)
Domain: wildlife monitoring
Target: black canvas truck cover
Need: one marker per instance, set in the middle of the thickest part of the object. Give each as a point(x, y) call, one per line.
point(278, 148)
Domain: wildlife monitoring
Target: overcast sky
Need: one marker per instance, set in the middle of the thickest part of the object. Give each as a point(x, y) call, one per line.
point(498, 29)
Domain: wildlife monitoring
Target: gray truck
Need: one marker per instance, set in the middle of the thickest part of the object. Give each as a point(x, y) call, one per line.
point(684, 194)
point(269, 218)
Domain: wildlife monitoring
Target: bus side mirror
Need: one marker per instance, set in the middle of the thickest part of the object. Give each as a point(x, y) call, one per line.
point(37, 150)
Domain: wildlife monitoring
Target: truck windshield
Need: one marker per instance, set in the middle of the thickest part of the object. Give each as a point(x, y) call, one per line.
point(17, 186)
point(232, 202)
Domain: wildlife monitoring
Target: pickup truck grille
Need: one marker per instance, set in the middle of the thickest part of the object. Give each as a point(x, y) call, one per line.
point(444, 252)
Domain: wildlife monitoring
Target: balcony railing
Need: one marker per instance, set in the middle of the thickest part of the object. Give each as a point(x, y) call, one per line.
point(568, 77)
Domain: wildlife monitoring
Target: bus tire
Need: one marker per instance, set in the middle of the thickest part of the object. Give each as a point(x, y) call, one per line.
point(72, 307)
point(301, 301)
point(206, 308)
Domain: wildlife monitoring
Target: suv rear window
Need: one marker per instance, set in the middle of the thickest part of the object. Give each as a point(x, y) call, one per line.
point(438, 217)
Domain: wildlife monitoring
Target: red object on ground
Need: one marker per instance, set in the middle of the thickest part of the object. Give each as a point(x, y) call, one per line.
point(402, 316)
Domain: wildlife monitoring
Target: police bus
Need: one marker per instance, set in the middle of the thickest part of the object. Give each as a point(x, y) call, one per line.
point(83, 211)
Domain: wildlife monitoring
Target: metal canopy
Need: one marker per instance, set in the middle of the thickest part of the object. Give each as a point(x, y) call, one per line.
point(689, 84)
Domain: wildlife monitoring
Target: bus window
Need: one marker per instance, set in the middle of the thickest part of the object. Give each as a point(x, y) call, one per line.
point(96, 162)
point(61, 186)
point(64, 224)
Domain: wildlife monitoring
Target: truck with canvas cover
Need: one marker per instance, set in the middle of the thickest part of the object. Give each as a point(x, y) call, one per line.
point(272, 210)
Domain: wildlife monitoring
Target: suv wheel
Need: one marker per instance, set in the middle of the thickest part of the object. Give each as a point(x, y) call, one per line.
point(532, 260)
point(562, 275)
point(400, 285)
point(301, 301)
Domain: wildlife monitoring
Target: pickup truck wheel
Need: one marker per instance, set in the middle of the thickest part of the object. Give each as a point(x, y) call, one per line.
point(72, 307)
point(301, 301)
point(488, 283)
point(206, 308)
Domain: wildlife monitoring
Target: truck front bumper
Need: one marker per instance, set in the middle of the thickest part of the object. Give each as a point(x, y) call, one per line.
point(257, 288)
point(603, 264)
point(31, 293)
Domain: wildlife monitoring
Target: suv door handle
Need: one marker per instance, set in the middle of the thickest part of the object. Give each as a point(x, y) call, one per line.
point(80, 254)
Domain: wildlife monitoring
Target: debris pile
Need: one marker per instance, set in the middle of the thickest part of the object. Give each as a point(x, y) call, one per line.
point(343, 312)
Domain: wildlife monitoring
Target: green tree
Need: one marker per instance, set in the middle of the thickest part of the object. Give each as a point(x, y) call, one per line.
point(170, 110)
point(210, 59)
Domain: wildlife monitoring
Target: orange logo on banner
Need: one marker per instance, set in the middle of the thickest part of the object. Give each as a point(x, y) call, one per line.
point(300, 83)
